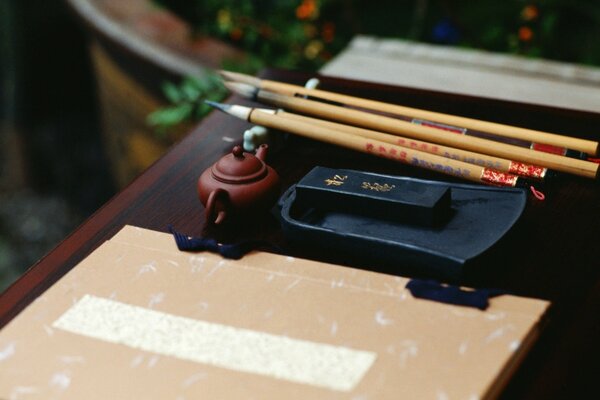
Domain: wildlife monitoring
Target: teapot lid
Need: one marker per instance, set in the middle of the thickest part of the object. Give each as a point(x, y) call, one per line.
point(238, 167)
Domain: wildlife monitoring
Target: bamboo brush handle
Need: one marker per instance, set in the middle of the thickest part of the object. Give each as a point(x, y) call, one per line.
point(531, 135)
point(398, 127)
point(470, 157)
point(417, 158)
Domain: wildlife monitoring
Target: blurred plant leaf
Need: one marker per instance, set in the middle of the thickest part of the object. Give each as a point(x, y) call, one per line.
point(187, 101)
point(191, 90)
point(172, 92)
point(170, 116)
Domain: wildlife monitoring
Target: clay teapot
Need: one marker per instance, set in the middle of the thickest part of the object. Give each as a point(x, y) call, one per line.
point(238, 184)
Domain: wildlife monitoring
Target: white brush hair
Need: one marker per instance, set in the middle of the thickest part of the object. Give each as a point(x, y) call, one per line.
point(243, 89)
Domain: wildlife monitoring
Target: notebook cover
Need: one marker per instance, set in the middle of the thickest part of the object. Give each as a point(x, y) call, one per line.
point(130, 321)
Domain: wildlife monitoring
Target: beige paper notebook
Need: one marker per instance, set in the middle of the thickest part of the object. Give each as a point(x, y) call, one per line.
point(138, 319)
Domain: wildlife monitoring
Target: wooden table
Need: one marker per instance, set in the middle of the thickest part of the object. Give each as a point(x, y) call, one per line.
point(551, 254)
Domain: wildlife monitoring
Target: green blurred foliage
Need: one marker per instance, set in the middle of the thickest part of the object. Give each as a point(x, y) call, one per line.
point(187, 101)
point(564, 30)
point(305, 34)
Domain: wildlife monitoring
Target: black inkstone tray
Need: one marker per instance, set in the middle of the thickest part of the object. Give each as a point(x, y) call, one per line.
point(432, 227)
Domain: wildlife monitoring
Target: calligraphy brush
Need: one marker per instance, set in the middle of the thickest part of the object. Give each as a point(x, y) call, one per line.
point(529, 135)
point(497, 163)
point(460, 169)
point(398, 127)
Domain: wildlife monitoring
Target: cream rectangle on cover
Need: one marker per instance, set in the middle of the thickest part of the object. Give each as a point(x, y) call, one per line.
point(332, 367)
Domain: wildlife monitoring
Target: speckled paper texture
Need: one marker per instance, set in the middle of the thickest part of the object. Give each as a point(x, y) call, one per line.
point(387, 344)
point(324, 365)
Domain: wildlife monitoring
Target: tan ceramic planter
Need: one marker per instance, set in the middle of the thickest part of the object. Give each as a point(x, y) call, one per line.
point(135, 47)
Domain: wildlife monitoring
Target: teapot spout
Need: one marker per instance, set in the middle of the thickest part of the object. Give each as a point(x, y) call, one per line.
point(261, 152)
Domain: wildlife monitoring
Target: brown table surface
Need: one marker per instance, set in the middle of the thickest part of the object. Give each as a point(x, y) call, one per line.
point(551, 254)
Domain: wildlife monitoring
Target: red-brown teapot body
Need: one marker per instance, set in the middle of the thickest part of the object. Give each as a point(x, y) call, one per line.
point(238, 184)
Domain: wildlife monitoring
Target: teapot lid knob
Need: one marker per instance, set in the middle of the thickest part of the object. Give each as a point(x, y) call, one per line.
point(238, 152)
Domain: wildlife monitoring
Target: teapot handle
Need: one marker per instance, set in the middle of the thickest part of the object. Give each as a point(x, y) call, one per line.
point(216, 206)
